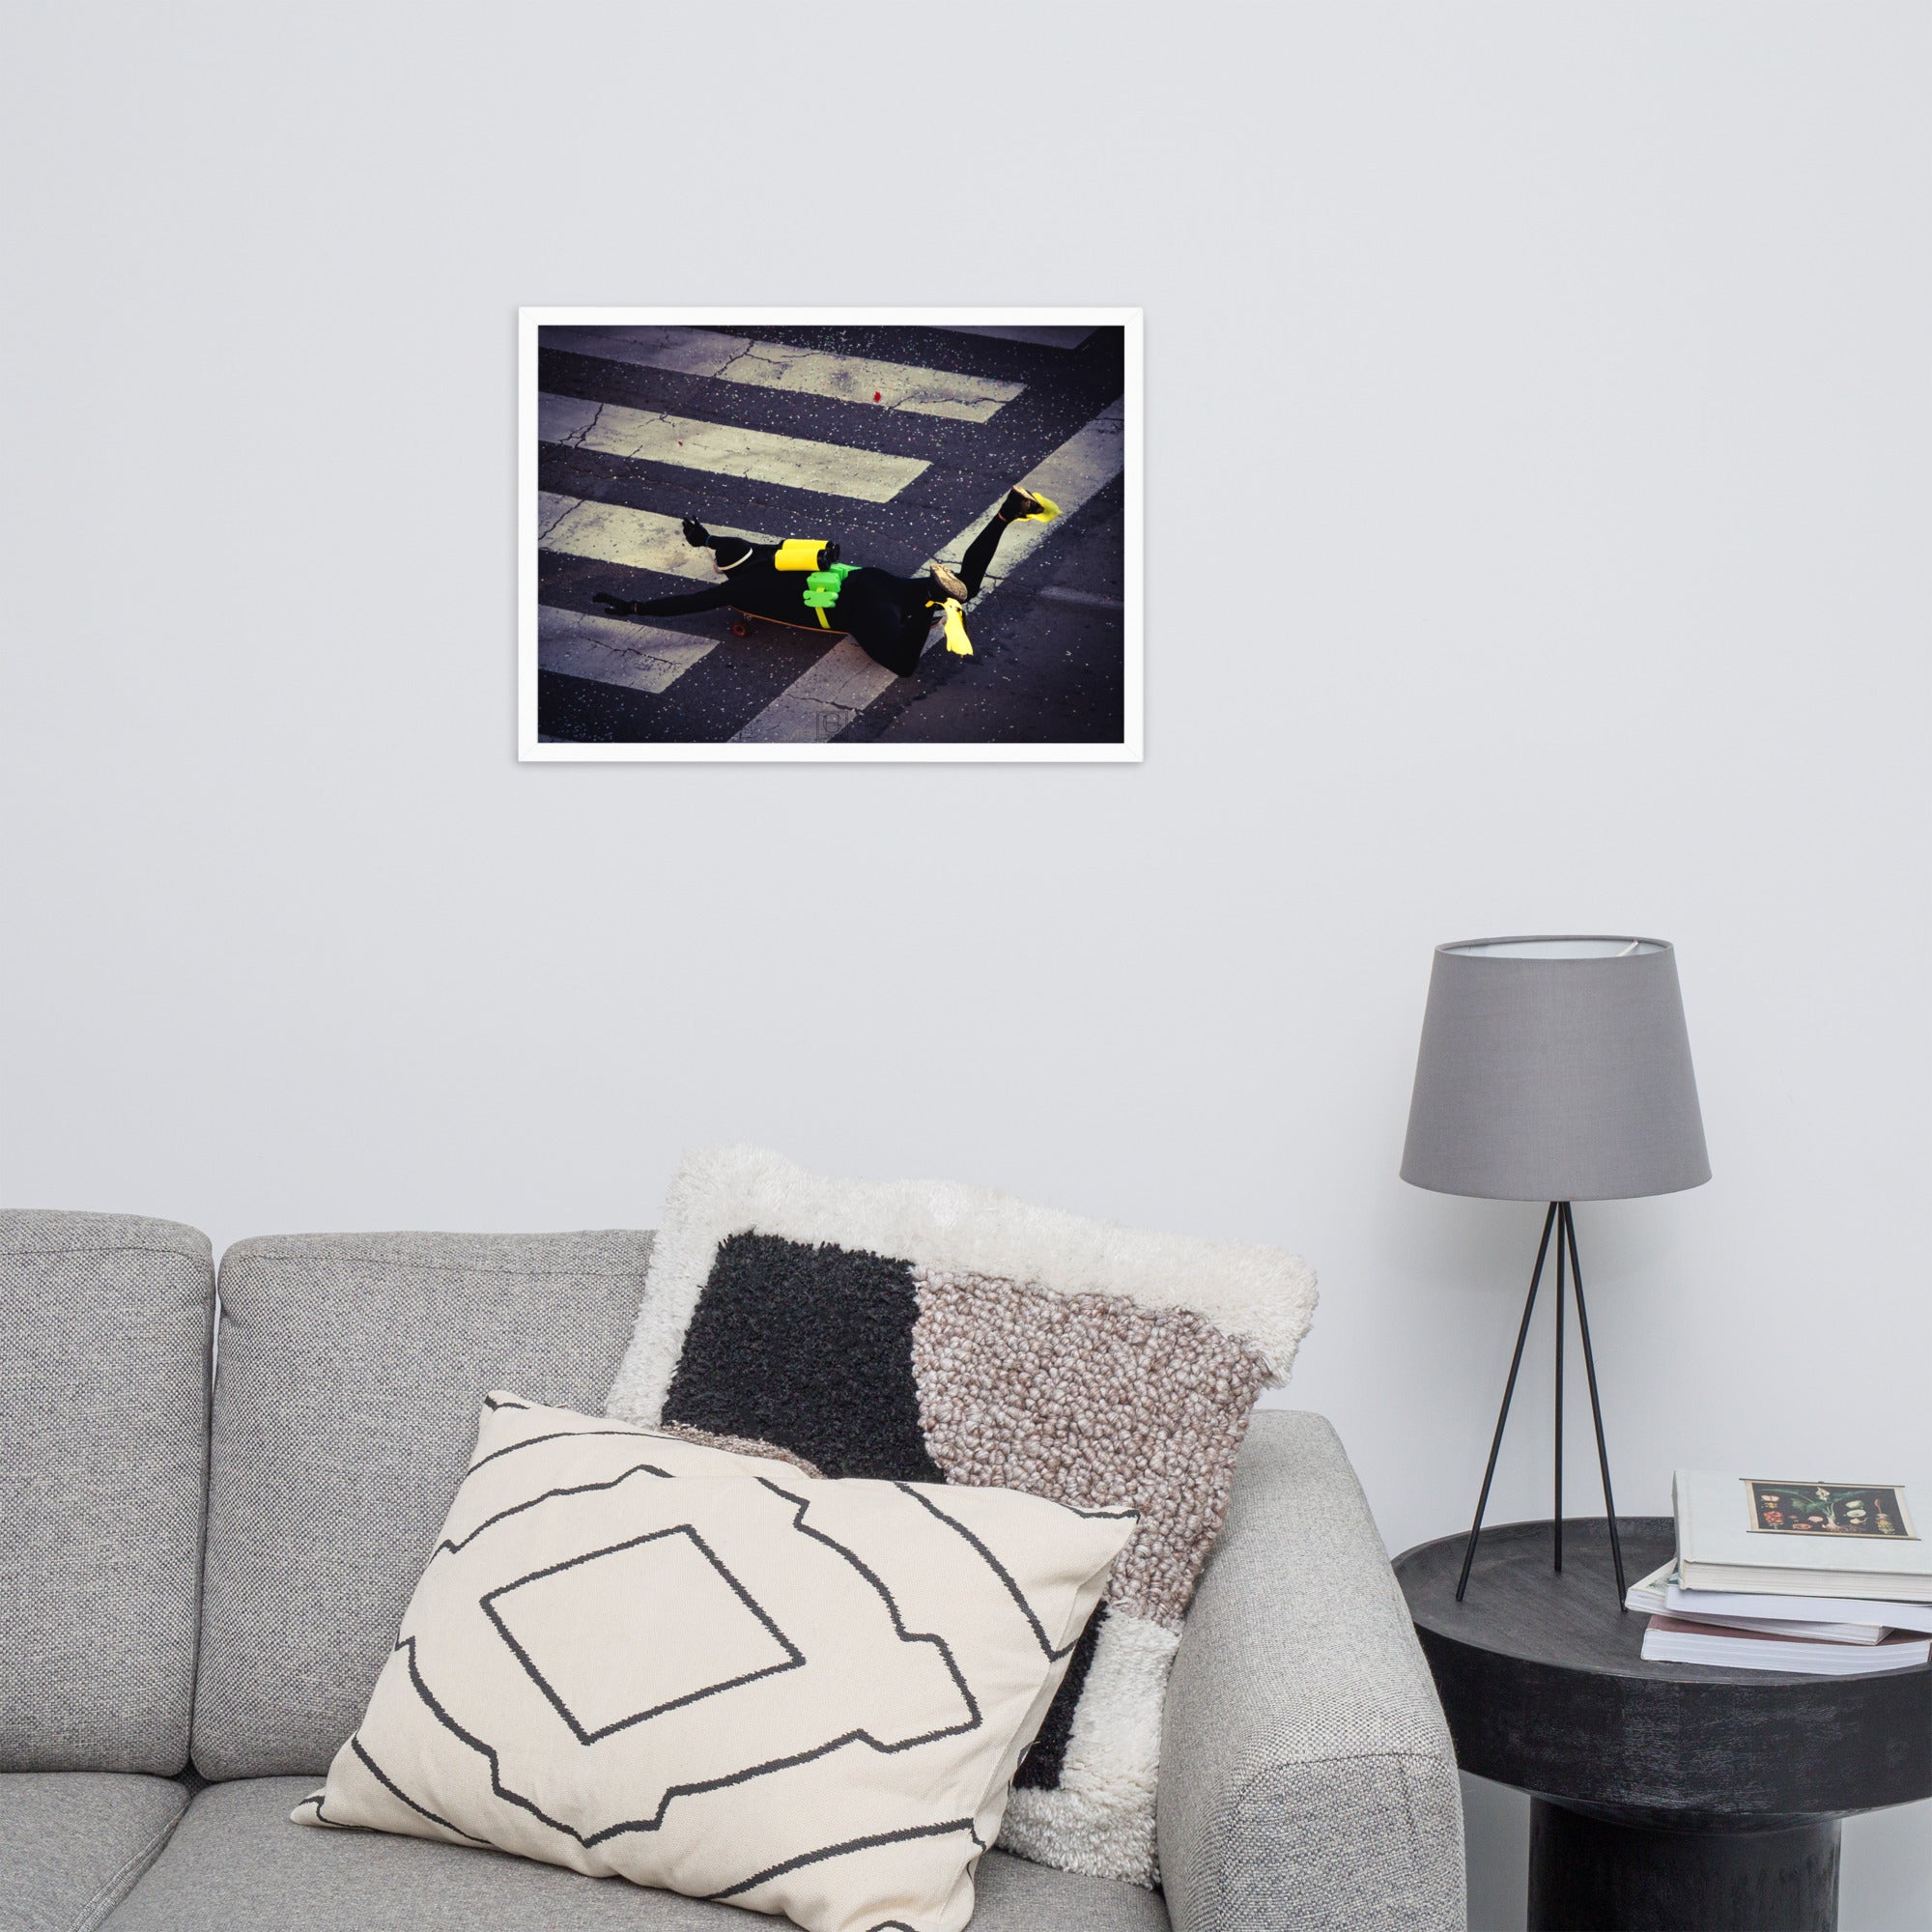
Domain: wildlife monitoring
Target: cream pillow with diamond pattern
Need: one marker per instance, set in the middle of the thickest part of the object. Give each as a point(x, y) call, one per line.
point(641, 1655)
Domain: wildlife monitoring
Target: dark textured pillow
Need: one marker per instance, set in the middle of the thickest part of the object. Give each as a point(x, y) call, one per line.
point(928, 1332)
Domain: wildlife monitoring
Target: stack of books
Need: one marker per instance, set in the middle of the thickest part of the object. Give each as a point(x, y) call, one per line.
point(1827, 1579)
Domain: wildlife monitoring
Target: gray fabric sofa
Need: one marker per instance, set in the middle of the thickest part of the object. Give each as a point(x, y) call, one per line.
point(200, 1577)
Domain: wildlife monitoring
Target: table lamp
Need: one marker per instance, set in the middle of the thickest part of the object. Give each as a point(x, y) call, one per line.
point(1554, 1069)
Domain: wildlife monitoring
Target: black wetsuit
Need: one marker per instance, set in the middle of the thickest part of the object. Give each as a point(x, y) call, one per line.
point(887, 616)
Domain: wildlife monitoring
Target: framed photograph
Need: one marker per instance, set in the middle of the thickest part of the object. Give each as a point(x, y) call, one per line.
point(829, 535)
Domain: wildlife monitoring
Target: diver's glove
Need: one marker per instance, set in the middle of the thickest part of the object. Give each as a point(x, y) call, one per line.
point(695, 535)
point(619, 607)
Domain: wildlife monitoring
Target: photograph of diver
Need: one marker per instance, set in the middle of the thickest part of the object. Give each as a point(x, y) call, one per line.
point(830, 536)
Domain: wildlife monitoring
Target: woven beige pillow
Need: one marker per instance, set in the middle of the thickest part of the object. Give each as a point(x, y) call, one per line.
point(636, 1654)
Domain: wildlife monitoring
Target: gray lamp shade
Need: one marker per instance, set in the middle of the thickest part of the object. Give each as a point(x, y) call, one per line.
point(1556, 1069)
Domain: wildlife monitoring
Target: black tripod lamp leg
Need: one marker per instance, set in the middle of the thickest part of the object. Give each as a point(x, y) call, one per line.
point(1509, 1390)
point(1556, 1487)
point(1596, 1407)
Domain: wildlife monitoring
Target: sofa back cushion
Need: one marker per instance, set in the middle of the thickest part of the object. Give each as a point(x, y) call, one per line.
point(104, 1324)
point(352, 1368)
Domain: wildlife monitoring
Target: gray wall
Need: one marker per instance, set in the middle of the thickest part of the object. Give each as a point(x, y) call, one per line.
point(1538, 507)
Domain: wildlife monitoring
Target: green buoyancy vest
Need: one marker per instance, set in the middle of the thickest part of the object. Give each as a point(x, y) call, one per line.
point(822, 589)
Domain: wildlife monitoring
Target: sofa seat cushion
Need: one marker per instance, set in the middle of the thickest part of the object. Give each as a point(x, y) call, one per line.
point(72, 1842)
point(104, 1411)
point(237, 1864)
point(345, 1406)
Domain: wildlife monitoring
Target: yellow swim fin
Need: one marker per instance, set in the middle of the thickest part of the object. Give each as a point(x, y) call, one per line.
point(956, 639)
point(1047, 511)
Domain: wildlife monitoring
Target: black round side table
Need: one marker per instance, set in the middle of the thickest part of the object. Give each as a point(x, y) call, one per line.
point(1669, 1797)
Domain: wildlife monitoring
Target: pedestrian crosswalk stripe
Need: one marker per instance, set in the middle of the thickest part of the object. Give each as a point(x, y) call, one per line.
point(1082, 467)
point(832, 468)
point(809, 372)
point(819, 704)
point(614, 650)
point(616, 533)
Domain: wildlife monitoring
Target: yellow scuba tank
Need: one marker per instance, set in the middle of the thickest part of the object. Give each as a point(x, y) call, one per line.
point(806, 554)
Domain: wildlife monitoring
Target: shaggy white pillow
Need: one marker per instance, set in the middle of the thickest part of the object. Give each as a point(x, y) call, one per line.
point(930, 1332)
point(636, 1654)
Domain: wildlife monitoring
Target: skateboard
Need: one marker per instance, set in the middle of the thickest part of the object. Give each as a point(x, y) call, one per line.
point(742, 620)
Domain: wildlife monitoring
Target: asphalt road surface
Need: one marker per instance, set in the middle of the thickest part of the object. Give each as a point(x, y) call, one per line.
point(897, 442)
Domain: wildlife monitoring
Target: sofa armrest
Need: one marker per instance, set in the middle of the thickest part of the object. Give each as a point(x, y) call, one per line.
point(1307, 1779)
